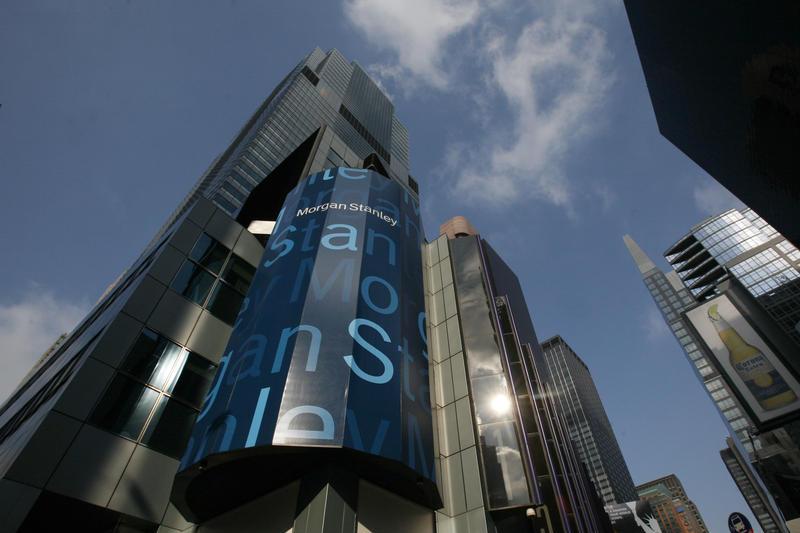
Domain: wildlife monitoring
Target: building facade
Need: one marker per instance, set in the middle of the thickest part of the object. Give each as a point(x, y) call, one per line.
point(93, 436)
point(665, 510)
point(676, 511)
point(735, 247)
point(579, 403)
point(731, 105)
point(505, 456)
point(176, 404)
point(751, 488)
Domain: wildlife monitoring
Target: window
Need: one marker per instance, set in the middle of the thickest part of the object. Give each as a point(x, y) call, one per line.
point(212, 269)
point(156, 394)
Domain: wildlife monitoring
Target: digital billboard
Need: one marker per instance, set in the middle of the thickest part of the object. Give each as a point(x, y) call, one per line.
point(633, 517)
point(329, 350)
point(746, 360)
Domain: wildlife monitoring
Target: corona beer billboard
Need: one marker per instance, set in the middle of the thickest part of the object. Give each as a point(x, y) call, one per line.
point(328, 353)
point(746, 360)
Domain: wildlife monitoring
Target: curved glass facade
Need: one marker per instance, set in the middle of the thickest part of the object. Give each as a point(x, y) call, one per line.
point(329, 349)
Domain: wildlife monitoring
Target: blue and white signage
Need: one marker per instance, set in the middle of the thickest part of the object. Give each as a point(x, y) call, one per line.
point(329, 349)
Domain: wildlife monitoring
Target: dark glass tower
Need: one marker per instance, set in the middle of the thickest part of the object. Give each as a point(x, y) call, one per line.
point(723, 80)
point(589, 428)
point(325, 90)
point(91, 440)
point(506, 461)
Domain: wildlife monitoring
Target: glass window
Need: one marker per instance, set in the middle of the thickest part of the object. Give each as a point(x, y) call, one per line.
point(193, 282)
point(506, 484)
point(225, 303)
point(194, 380)
point(170, 427)
point(238, 273)
point(209, 252)
point(125, 407)
point(152, 358)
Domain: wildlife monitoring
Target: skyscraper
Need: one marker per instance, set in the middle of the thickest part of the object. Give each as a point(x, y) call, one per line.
point(324, 90)
point(750, 487)
point(742, 246)
point(91, 440)
point(685, 509)
point(730, 104)
point(578, 401)
point(505, 454)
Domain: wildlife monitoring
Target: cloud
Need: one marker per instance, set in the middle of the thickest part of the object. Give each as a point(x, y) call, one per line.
point(536, 88)
point(553, 77)
point(28, 327)
point(654, 326)
point(711, 198)
point(415, 31)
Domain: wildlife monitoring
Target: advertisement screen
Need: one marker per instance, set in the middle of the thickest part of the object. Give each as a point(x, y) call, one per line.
point(760, 378)
point(329, 348)
point(633, 517)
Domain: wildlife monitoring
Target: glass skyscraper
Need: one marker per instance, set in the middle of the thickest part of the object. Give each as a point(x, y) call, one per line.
point(504, 447)
point(578, 401)
point(741, 245)
point(322, 90)
point(91, 439)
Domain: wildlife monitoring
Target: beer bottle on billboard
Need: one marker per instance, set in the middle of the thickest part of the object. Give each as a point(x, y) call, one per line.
point(757, 372)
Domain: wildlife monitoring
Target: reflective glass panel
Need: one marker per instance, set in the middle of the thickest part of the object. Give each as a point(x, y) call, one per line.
point(505, 478)
point(152, 358)
point(170, 427)
point(209, 252)
point(193, 382)
point(193, 282)
point(238, 273)
point(225, 303)
point(124, 407)
point(492, 400)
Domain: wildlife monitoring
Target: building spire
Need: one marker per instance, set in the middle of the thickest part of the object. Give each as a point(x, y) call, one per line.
point(644, 263)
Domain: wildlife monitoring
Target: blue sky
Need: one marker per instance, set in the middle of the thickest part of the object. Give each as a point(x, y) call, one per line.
point(530, 118)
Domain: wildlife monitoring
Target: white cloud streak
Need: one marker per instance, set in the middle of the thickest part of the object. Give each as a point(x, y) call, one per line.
point(552, 78)
point(416, 31)
point(28, 327)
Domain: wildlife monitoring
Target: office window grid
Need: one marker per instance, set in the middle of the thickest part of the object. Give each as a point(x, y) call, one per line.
point(155, 395)
point(214, 277)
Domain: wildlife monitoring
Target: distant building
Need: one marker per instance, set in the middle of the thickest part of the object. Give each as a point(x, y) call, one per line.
point(686, 516)
point(748, 485)
point(737, 249)
point(579, 403)
point(491, 381)
point(723, 80)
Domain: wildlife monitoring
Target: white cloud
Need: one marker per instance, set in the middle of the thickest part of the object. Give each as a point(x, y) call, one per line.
point(551, 77)
point(416, 31)
point(554, 77)
point(28, 327)
point(654, 326)
point(711, 198)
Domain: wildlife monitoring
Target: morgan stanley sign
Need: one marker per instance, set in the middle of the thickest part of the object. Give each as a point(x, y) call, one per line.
point(329, 349)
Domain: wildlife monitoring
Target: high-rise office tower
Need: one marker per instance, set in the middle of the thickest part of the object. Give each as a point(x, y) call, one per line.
point(92, 439)
point(324, 90)
point(742, 244)
point(579, 403)
point(750, 487)
point(689, 517)
point(505, 457)
point(744, 250)
point(728, 103)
